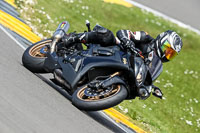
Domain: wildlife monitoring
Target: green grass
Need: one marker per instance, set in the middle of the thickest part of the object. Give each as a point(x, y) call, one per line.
point(179, 80)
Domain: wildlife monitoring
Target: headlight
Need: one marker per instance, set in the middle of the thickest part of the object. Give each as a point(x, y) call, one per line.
point(139, 76)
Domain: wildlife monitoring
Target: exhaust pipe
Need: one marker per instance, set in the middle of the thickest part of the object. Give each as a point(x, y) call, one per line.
point(58, 77)
point(59, 33)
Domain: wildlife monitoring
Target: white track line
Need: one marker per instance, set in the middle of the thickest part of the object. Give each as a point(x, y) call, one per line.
point(181, 24)
point(1, 27)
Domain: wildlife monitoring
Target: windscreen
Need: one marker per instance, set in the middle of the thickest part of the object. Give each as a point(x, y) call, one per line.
point(155, 67)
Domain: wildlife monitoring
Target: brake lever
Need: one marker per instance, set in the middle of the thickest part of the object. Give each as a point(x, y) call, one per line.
point(134, 50)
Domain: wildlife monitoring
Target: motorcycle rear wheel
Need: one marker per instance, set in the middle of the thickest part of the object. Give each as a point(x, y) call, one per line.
point(33, 59)
point(83, 102)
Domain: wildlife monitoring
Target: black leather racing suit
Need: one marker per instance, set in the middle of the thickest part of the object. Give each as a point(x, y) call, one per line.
point(105, 37)
point(140, 40)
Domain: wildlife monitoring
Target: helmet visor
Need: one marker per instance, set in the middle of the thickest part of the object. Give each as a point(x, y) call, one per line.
point(169, 52)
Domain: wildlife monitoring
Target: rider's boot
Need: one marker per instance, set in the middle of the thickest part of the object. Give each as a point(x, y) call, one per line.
point(97, 36)
point(70, 39)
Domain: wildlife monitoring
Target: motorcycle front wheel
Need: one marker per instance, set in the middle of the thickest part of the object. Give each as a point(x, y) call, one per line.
point(99, 102)
point(35, 55)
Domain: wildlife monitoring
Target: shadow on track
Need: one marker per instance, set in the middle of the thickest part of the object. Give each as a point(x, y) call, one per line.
point(99, 116)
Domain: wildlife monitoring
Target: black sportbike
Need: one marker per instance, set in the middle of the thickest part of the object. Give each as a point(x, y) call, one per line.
point(98, 77)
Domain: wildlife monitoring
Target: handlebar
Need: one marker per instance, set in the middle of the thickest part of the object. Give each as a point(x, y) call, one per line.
point(136, 51)
point(131, 49)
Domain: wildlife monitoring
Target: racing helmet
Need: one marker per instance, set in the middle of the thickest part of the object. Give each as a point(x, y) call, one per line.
point(168, 45)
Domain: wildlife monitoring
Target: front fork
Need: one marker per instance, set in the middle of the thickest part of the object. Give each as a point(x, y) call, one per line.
point(53, 45)
point(112, 79)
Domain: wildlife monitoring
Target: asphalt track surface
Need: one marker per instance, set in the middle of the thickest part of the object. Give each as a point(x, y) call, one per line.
point(28, 104)
point(186, 11)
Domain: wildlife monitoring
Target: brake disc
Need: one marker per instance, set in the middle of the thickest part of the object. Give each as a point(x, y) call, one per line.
point(92, 92)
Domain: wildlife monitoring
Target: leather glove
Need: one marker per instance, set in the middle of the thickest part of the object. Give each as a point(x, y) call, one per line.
point(127, 43)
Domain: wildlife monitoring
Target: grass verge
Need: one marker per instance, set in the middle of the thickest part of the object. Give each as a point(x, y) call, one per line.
point(179, 111)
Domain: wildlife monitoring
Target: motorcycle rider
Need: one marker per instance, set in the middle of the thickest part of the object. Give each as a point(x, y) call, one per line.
point(166, 46)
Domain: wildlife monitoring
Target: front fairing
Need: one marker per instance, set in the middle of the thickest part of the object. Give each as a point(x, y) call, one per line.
point(147, 73)
point(155, 67)
point(141, 70)
point(73, 72)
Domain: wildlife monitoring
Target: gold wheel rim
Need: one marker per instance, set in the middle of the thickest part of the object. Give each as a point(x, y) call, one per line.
point(114, 91)
point(35, 50)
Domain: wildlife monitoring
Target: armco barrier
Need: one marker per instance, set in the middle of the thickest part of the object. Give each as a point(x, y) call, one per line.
point(11, 2)
point(22, 32)
point(8, 11)
point(10, 19)
point(18, 27)
point(12, 5)
point(8, 8)
point(3, 9)
point(120, 2)
point(19, 38)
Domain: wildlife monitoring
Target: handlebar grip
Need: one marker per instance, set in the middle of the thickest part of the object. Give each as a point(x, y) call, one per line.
point(137, 52)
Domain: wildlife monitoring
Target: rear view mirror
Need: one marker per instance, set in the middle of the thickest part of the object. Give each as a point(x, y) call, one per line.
point(157, 93)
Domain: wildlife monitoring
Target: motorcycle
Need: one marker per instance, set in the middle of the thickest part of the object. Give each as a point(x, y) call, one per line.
point(98, 77)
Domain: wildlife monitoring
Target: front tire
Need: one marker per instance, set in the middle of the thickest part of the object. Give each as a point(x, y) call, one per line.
point(117, 95)
point(34, 56)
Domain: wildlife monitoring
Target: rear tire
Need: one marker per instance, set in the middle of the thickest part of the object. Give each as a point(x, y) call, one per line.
point(92, 104)
point(33, 59)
